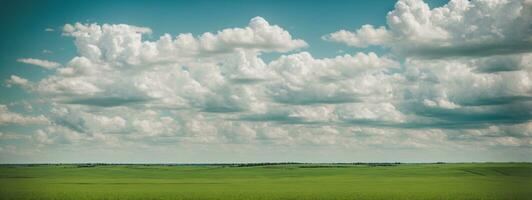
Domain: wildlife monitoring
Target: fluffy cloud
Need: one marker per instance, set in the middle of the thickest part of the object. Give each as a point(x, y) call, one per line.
point(343, 79)
point(259, 35)
point(38, 62)
point(123, 90)
point(467, 63)
point(18, 81)
point(455, 94)
point(8, 117)
point(363, 37)
point(459, 28)
point(41, 138)
point(176, 72)
point(122, 44)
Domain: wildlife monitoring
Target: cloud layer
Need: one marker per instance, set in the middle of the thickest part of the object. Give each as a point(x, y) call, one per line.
point(457, 76)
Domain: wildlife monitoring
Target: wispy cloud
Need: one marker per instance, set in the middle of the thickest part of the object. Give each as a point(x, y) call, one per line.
point(38, 62)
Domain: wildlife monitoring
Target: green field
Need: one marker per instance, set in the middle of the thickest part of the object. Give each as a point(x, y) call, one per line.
point(296, 181)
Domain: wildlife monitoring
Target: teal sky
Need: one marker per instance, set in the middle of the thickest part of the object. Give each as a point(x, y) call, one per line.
point(278, 81)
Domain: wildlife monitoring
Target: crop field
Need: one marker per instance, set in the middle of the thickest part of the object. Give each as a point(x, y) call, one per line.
point(289, 181)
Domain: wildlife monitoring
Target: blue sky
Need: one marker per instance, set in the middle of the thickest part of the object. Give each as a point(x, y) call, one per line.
point(413, 81)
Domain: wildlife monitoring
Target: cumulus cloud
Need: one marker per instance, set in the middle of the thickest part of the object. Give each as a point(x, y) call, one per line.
point(38, 62)
point(478, 72)
point(220, 77)
point(343, 79)
point(259, 35)
point(8, 117)
point(41, 138)
point(18, 81)
point(124, 89)
point(123, 44)
point(363, 37)
point(177, 72)
point(459, 28)
point(502, 63)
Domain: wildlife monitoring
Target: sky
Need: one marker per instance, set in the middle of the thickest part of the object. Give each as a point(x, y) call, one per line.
point(265, 81)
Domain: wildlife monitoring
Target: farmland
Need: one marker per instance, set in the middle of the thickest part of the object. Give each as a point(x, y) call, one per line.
point(287, 181)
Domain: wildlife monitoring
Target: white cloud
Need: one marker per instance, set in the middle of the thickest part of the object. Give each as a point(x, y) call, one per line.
point(343, 79)
point(365, 36)
point(60, 135)
point(362, 90)
point(75, 86)
point(38, 62)
point(16, 80)
point(116, 64)
point(123, 44)
point(156, 126)
point(8, 117)
point(124, 89)
point(378, 112)
point(459, 28)
point(440, 103)
point(467, 63)
point(42, 138)
point(259, 35)
point(444, 81)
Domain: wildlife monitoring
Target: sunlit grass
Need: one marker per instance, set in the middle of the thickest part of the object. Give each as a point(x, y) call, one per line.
point(406, 181)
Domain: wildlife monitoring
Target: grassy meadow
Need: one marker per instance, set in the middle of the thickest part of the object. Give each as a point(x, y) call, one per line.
point(291, 181)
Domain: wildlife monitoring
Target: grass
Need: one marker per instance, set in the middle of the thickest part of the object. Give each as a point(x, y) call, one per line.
point(294, 181)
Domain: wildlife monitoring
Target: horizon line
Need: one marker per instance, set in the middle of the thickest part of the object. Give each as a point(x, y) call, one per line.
point(251, 163)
